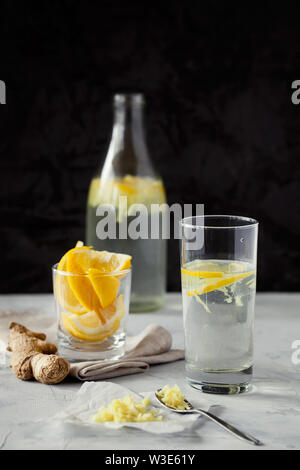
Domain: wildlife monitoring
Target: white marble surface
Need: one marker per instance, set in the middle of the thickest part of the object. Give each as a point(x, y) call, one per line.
point(271, 411)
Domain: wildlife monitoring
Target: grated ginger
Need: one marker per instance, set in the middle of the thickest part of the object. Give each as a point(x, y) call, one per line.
point(126, 410)
point(173, 397)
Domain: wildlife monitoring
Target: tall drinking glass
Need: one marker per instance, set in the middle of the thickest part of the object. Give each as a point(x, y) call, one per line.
point(218, 274)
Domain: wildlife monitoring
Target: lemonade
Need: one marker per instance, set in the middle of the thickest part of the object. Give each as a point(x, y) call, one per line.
point(92, 291)
point(218, 311)
point(149, 254)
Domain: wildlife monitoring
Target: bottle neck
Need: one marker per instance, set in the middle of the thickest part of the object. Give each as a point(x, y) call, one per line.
point(128, 153)
point(128, 128)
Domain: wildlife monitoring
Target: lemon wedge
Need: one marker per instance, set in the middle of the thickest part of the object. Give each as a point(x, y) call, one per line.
point(91, 285)
point(107, 262)
point(66, 297)
point(87, 291)
point(89, 327)
point(78, 262)
point(106, 287)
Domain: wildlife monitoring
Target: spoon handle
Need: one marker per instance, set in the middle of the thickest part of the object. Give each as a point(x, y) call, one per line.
point(241, 435)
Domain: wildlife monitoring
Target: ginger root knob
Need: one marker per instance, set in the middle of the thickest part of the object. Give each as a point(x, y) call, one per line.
point(49, 369)
point(32, 356)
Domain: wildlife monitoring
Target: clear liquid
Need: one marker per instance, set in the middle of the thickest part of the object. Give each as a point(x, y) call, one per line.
point(218, 319)
point(148, 264)
point(148, 255)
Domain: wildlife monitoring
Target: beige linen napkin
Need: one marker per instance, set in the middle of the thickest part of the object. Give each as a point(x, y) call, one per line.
point(151, 346)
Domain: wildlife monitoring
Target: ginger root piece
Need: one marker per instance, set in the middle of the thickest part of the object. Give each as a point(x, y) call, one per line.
point(32, 356)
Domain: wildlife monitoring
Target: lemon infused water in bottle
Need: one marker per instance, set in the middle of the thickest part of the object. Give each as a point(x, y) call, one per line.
point(126, 203)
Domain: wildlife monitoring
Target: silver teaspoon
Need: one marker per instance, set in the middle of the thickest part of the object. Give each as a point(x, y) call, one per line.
point(228, 427)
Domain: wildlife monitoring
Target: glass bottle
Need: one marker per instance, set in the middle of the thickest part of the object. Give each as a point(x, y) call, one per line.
point(126, 179)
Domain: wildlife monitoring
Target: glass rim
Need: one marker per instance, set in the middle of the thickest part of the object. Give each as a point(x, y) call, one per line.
point(250, 222)
point(112, 274)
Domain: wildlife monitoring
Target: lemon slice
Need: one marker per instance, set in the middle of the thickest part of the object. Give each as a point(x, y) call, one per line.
point(126, 188)
point(89, 327)
point(202, 265)
point(106, 287)
point(214, 284)
point(232, 267)
point(201, 274)
point(137, 189)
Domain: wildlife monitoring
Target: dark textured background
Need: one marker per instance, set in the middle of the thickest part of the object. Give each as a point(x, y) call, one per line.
point(221, 125)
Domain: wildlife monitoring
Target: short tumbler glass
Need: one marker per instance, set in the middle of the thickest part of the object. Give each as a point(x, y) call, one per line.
point(86, 330)
point(218, 274)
